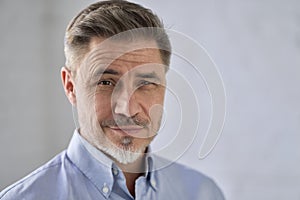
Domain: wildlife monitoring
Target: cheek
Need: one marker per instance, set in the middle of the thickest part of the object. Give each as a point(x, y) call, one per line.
point(156, 97)
point(103, 106)
point(152, 103)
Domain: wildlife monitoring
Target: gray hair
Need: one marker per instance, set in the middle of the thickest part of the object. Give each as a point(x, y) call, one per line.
point(105, 19)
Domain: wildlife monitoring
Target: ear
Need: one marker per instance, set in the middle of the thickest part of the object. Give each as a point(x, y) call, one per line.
point(68, 84)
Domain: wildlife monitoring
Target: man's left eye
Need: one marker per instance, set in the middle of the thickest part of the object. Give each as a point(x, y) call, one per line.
point(146, 84)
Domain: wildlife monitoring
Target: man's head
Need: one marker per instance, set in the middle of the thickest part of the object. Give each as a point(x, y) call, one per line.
point(105, 19)
point(117, 54)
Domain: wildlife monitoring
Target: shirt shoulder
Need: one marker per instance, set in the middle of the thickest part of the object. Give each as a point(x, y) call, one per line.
point(41, 183)
point(186, 182)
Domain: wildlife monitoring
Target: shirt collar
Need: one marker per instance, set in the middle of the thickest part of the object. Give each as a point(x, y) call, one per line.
point(94, 164)
point(98, 167)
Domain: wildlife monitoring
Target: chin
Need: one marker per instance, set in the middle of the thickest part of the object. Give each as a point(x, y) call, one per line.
point(125, 150)
point(124, 154)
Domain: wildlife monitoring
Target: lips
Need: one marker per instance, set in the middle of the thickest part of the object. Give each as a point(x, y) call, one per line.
point(126, 130)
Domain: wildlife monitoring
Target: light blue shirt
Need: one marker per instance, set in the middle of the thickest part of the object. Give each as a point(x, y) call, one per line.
point(83, 172)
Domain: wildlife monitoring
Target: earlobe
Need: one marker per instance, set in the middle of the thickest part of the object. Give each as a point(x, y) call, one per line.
point(68, 85)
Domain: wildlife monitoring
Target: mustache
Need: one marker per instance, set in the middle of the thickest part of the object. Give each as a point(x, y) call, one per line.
point(119, 120)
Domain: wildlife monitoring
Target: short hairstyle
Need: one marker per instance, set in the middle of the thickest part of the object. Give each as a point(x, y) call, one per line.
point(105, 19)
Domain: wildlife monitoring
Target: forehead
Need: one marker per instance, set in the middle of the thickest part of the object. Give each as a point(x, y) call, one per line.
point(122, 55)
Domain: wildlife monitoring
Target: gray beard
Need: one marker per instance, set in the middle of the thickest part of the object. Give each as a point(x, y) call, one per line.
point(125, 154)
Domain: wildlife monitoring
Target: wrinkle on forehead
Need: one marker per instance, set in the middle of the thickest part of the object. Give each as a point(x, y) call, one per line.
point(104, 53)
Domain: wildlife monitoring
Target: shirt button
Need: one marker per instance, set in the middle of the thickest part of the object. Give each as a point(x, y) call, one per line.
point(105, 189)
point(153, 183)
point(115, 171)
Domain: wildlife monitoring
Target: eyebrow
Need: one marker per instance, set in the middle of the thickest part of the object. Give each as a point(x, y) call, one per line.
point(106, 71)
point(151, 75)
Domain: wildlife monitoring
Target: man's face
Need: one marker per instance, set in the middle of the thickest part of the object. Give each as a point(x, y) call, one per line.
point(119, 93)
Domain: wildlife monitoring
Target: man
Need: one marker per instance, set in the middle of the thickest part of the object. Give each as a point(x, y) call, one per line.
point(117, 56)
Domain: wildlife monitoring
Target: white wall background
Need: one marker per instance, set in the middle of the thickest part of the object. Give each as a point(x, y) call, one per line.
point(255, 44)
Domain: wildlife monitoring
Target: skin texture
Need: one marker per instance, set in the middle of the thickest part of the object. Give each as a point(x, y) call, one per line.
point(119, 91)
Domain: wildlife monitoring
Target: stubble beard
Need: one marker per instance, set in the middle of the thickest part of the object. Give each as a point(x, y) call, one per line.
point(124, 152)
point(123, 149)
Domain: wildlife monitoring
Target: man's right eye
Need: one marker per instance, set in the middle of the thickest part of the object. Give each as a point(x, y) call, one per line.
point(105, 83)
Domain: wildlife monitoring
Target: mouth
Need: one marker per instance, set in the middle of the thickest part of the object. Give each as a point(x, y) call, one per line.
point(126, 130)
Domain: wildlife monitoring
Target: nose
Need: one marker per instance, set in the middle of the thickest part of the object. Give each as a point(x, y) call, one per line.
point(125, 103)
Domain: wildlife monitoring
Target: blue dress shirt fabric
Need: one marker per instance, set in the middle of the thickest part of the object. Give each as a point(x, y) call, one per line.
point(84, 173)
